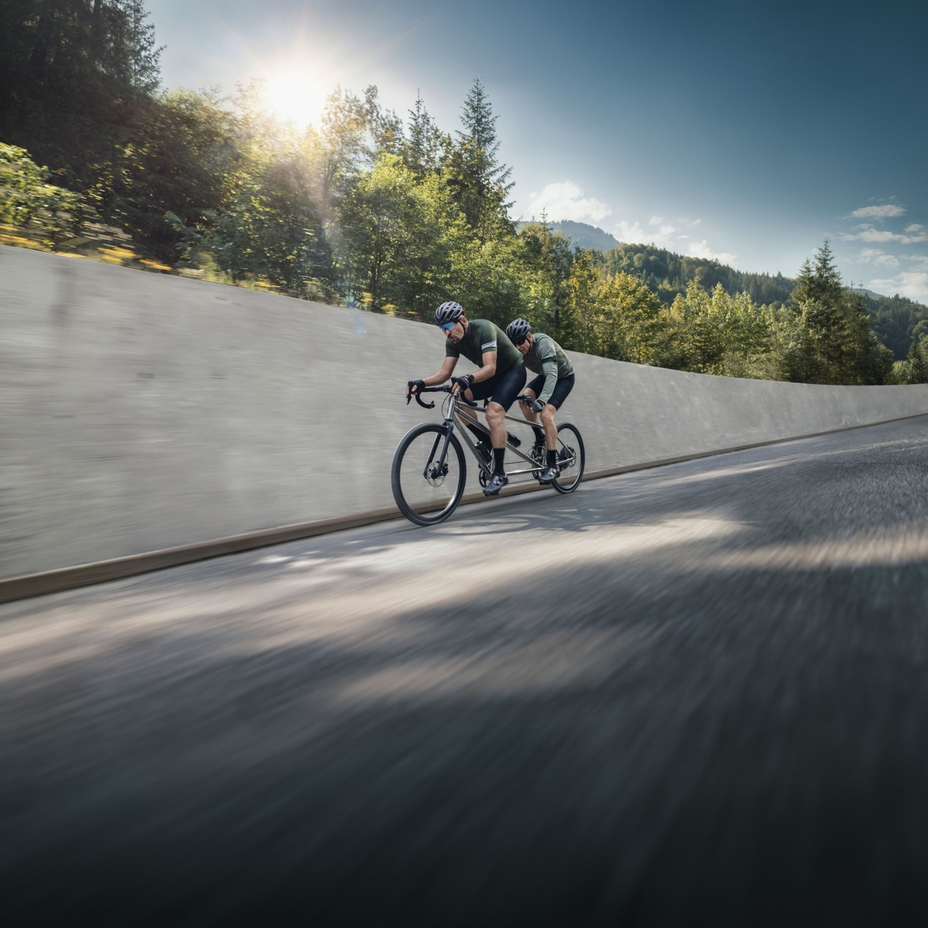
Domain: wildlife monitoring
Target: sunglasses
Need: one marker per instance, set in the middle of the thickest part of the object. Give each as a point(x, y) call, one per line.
point(448, 326)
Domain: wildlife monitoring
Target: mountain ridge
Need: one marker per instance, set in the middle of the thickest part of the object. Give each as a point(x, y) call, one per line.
point(585, 235)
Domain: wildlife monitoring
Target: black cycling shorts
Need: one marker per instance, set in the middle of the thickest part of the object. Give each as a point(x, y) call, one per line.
point(501, 388)
point(563, 386)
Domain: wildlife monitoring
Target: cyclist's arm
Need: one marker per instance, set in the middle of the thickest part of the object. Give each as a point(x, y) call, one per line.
point(484, 373)
point(548, 357)
point(442, 374)
point(549, 369)
point(489, 367)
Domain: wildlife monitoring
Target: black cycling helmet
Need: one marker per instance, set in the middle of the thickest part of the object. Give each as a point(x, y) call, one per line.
point(517, 331)
point(448, 312)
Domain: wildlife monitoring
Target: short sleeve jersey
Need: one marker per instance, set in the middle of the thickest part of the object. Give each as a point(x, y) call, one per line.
point(483, 336)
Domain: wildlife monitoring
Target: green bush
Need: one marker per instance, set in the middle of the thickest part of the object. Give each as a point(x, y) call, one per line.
point(34, 212)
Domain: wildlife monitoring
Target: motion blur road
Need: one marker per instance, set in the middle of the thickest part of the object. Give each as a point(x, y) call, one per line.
point(694, 694)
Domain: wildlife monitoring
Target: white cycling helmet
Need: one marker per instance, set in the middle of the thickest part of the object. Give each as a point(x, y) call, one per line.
point(448, 312)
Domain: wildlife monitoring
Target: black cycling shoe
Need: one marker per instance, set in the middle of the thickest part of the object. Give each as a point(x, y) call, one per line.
point(549, 474)
point(514, 441)
point(497, 482)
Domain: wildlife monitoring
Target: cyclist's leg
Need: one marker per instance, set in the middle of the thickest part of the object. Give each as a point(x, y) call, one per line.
point(484, 391)
point(534, 387)
point(470, 417)
point(547, 423)
point(561, 391)
point(508, 387)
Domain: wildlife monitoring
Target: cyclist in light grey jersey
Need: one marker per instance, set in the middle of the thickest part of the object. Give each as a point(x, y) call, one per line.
point(547, 392)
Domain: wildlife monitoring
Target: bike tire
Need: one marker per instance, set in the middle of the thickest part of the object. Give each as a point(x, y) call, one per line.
point(569, 441)
point(426, 489)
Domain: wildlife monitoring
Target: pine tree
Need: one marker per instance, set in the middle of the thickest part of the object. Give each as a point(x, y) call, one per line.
point(425, 144)
point(819, 279)
point(835, 343)
point(480, 182)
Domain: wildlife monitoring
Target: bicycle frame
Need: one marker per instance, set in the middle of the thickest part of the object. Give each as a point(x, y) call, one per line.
point(456, 417)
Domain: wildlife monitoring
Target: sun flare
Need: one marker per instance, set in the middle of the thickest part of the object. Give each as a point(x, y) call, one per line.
point(294, 97)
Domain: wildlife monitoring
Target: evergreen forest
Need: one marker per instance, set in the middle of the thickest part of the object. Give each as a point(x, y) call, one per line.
point(390, 213)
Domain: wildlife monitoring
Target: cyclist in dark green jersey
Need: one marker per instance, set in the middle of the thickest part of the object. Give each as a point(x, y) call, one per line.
point(499, 378)
point(547, 392)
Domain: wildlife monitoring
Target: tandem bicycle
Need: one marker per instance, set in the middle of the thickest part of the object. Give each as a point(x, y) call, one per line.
point(429, 467)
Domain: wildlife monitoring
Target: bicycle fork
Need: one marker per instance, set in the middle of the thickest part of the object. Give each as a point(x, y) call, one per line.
point(439, 469)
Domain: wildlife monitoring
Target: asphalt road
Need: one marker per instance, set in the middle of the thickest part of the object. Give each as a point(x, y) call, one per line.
point(690, 695)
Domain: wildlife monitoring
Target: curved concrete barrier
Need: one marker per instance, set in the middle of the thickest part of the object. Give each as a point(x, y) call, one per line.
point(142, 412)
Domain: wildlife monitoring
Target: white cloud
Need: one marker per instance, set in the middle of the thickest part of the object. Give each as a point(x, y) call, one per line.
point(886, 211)
point(913, 284)
point(868, 233)
point(702, 250)
point(565, 200)
point(671, 237)
point(666, 234)
point(878, 257)
point(662, 237)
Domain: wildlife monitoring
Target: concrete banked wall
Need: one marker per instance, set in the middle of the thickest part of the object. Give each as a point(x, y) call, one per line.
point(140, 412)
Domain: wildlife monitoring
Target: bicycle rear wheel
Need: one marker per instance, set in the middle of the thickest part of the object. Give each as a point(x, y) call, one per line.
point(571, 458)
point(428, 474)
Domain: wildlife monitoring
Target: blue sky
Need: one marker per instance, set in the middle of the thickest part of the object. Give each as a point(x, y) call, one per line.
point(748, 131)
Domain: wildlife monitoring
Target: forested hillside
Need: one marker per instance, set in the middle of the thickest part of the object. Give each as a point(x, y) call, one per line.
point(392, 213)
point(896, 320)
point(668, 274)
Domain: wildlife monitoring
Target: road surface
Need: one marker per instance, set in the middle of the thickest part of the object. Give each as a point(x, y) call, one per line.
point(690, 695)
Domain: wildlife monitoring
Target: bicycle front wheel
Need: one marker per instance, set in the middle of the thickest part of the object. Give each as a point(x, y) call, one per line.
point(428, 474)
point(571, 458)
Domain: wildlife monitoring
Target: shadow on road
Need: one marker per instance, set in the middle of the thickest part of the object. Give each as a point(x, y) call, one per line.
point(655, 702)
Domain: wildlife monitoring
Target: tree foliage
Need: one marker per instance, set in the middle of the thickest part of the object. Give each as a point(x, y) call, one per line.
point(480, 183)
point(832, 340)
point(30, 206)
point(669, 274)
point(76, 79)
point(399, 236)
point(183, 170)
point(393, 215)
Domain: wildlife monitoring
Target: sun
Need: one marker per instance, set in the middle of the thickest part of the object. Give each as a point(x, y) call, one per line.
point(293, 96)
